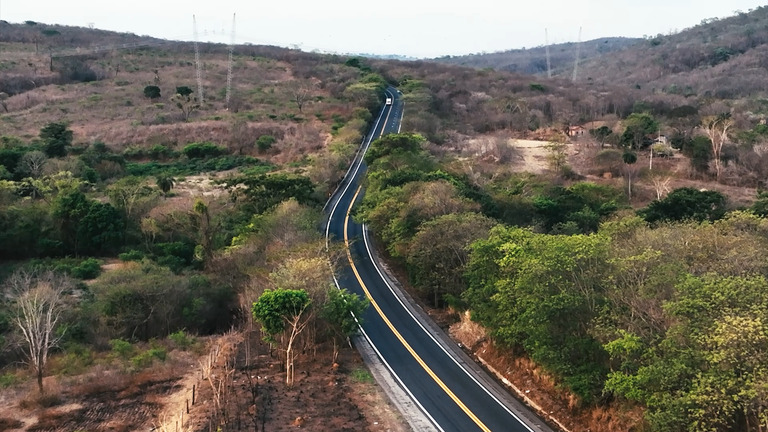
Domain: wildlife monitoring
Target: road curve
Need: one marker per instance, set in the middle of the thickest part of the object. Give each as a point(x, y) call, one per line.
point(450, 390)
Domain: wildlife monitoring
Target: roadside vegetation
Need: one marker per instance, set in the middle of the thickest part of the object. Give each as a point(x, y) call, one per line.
point(627, 268)
point(138, 225)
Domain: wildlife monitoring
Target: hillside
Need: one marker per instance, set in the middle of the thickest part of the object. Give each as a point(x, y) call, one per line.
point(533, 61)
point(719, 58)
point(164, 213)
point(157, 215)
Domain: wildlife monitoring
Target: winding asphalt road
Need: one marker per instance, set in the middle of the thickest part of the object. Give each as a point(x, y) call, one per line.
point(451, 392)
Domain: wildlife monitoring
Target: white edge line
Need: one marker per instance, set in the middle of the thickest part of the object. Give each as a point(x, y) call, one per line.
point(355, 161)
point(389, 368)
point(471, 376)
point(358, 163)
point(364, 148)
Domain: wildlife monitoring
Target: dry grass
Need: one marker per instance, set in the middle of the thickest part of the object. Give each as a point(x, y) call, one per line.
point(468, 332)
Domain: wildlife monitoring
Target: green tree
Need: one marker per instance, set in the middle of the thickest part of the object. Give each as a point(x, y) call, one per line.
point(394, 144)
point(557, 156)
point(637, 127)
point(438, 253)
point(601, 134)
point(184, 91)
point(541, 293)
point(165, 183)
point(686, 204)
point(699, 150)
point(343, 311)
point(200, 150)
point(707, 371)
point(629, 159)
point(285, 312)
point(56, 138)
point(262, 192)
point(576, 209)
point(87, 226)
point(264, 142)
point(132, 196)
point(152, 92)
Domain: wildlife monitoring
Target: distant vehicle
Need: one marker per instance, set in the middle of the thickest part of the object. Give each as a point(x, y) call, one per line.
point(389, 101)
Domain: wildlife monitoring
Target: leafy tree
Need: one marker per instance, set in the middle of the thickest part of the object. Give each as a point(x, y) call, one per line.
point(145, 300)
point(152, 92)
point(541, 292)
point(284, 311)
point(707, 371)
point(165, 183)
point(200, 150)
point(87, 226)
point(557, 156)
point(28, 231)
point(580, 207)
point(629, 159)
point(11, 151)
point(699, 150)
point(601, 134)
point(262, 192)
point(394, 144)
point(101, 229)
point(132, 196)
point(264, 142)
point(343, 311)
point(438, 253)
point(686, 204)
point(56, 138)
point(184, 91)
point(637, 127)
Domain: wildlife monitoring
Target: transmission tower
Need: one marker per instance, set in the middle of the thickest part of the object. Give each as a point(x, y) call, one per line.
point(546, 48)
point(198, 69)
point(229, 65)
point(578, 53)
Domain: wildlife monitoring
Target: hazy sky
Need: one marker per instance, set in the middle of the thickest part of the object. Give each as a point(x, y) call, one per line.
point(407, 27)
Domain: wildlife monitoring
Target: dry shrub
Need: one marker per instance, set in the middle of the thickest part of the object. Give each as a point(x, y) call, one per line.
point(35, 400)
point(49, 420)
point(101, 381)
point(9, 424)
point(468, 332)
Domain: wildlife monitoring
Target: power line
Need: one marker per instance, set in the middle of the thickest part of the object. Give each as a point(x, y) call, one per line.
point(578, 53)
point(198, 69)
point(546, 47)
point(229, 65)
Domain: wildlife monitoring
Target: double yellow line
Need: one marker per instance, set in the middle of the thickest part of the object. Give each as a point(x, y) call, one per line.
point(397, 333)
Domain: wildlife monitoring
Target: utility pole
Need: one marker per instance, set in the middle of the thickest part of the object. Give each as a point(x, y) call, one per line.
point(546, 48)
point(578, 53)
point(198, 70)
point(229, 65)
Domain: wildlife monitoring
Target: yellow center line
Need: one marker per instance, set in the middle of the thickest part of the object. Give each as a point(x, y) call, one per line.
point(397, 333)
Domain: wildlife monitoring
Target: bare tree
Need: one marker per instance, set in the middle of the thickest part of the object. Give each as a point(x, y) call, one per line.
point(39, 304)
point(301, 92)
point(3, 101)
point(716, 128)
point(661, 184)
point(33, 163)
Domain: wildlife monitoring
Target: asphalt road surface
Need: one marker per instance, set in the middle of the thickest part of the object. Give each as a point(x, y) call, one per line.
point(450, 390)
